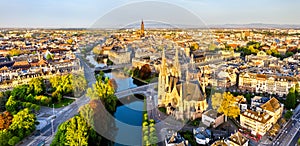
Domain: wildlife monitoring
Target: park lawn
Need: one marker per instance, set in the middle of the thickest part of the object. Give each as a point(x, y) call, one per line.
point(64, 102)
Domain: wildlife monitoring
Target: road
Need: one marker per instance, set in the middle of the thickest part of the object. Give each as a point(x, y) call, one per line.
point(289, 135)
point(63, 115)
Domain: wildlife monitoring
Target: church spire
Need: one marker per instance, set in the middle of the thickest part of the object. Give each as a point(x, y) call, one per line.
point(142, 28)
point(176, 68)
point(163, 68)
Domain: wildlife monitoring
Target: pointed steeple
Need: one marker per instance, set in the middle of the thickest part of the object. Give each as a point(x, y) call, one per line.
point(192, 65)
point(176, 67)
point(163, 68)
point(142, 28)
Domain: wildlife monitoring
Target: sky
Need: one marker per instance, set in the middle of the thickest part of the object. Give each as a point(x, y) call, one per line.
point(85, 13)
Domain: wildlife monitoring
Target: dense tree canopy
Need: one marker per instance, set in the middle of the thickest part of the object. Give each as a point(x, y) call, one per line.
point(5, 120)
point(228, 106)
point(76, 132)
point(145, 72)
point(103, 91)
point(79, 84)
point(22, 124)
point(291, 100)
point(36, 86)
point(67, 85)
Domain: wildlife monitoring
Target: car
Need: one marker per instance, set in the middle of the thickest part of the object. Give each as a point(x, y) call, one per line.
point(41, 143)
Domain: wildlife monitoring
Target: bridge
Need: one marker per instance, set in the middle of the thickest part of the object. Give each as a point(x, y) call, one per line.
point(125, 95)
point(111, 67)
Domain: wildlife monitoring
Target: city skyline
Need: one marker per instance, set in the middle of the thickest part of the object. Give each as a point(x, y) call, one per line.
point(79, 13)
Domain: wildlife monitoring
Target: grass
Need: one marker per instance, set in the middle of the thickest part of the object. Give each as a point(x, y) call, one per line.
point(162, 109)
point(64, 102)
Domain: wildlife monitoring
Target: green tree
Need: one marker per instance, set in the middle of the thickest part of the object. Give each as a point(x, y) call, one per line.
point(88, 114)
point(291, 100)
point(77, 132)
point(288, 54)
point(104, 92)
point(23, 123)
point(3, 100)
point(14, 140)
point(288, 114)
point(12, 106)
point(37, 86)
point(79, 84)
point(61, 85)
point(49, 56)
point(5, 136)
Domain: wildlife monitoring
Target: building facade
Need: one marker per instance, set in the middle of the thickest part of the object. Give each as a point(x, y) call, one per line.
point(260, 119)
point(182, 99)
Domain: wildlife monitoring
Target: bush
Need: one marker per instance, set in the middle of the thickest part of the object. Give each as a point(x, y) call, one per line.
point(162, 109)
point(152, 129)
point(14, 140)
point(145, 124)
point(288, 115)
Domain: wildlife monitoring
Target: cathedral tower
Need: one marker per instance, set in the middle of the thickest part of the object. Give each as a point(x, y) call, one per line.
point(163, 79)
point(142, 29)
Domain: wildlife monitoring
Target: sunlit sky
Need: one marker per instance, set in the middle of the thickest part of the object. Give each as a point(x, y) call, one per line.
point(84, 13)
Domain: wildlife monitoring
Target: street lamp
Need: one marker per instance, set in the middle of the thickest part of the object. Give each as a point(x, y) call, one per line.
point(53, 109)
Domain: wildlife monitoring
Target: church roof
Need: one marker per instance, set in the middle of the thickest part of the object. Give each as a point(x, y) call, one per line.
point(190, 91)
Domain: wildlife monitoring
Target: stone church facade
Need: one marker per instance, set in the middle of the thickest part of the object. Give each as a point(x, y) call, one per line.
point(182, 99)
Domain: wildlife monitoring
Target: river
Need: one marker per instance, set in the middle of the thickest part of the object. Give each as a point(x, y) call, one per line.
point(128, 117)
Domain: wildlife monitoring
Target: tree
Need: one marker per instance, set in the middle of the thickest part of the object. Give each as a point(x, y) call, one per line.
point(61, 85)
point(14, 140)
point(79, 84)
point(49, 56)
point(228, 106)
point(3, 100)
point(70, 41)
point(88, 114)
point(77, 132)
point(12, 106)
point(288, 115)
point(291, 100)
point(145, 71)
point(37, 86)
point(14, 52)
point(288, 54)
point(23, 123)
point(5, 136)
point(113, 83)
point(104, 92)
point(5, 120)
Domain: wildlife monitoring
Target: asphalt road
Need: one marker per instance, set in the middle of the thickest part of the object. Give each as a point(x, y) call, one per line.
point(46, 134)
point(289, 135)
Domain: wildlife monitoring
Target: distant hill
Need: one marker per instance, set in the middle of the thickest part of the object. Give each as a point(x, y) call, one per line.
point(256, 25)
point(154, 24)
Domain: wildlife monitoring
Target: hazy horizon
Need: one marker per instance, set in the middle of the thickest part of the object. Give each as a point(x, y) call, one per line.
point(119, 13)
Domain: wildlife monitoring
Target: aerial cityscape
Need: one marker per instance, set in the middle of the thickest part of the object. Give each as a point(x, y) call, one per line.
point(153, 73)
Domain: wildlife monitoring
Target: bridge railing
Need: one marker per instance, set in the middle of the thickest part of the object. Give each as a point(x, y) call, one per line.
point(136, 90)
